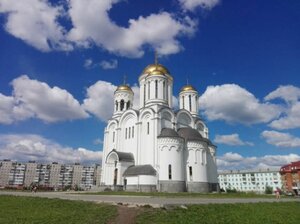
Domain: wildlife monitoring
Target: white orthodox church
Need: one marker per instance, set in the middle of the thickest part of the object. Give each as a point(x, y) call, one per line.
point(156, 148)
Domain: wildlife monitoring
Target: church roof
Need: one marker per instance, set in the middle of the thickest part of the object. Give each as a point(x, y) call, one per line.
point(125, 156)
point(168, 132)
point(124, 87)
point(140, 170)
point(190, 134)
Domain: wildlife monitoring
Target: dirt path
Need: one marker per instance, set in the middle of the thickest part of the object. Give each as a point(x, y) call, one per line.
point(126, 215)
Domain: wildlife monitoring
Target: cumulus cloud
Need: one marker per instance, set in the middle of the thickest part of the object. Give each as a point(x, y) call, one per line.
point(96, 27)
point(42, 25)
point(36, 23)
point(112, 64)
point(24, 147)
point(191, 5)
point(235, 161)
point(99, 100)
point(32, 98)
point(234, 104)
point(281, 139)
point(288, 93)
point(291, 116)
point(232, 139)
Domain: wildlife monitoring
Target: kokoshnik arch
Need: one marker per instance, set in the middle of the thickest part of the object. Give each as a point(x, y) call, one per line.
point(156, 148)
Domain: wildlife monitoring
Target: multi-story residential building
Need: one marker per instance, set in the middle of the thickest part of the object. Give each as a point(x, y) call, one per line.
point(30, 173)
point(290, 176)
point(17, 174)
point(77, 175)
point(250, 180)
point(5, 167)
point(55, 177)
point(49, 175)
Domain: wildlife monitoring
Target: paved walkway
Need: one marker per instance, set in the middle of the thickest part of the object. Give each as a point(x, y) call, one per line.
point(146, 200)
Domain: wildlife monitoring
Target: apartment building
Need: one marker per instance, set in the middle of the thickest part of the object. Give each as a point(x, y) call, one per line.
point(290, 176)
point(5, 168)
point(53, 175)
point(250, 180)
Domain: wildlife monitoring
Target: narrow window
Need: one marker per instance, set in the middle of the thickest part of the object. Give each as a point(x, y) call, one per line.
point(148, 128)
point(117, 106)
point(122, 105)
point(148, 90)
point(128, 105)
point(190, 102)
point(183, 101)
point(126, 133)
point(156, 88)
point(167, 91)
point(170, 172)
point(164, 90)
point(129, 132)
point(113, 136)
point(191, 173)
point(132, 131)
point(144, 94)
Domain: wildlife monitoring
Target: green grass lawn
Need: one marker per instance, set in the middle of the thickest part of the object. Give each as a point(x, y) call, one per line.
point(259, 213)
point(184, 194)
point(21, 210)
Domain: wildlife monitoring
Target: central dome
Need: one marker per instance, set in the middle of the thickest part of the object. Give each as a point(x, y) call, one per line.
point(156, 69)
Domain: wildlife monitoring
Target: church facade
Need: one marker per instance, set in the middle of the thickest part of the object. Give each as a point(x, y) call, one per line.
point(156, 148)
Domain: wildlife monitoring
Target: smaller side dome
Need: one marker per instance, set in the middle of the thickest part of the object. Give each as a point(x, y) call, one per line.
point(168, 132)
point(124, 87)
point(188, 88)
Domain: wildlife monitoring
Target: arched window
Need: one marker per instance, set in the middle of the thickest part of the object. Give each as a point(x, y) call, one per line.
point(129, 132)
point(183, 101)
point(114, 136)
point(125, 133)
point(122, 105)
point(170, 171)
point(164, 90)
point(191, 173)
point(156, 88)
point(132, 131)
point(148, 128)
point(148, 90)
point(190, 102)
point(128, 105)
point(117, 106)
point(144, 94)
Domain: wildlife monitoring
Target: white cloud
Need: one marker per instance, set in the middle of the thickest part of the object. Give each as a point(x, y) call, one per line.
point(112, 64)
point(191, 5)
point(233, 104)
point(232, 139)
point(235, 161)
point(281, 139)
point(291, 118)
point(35, 22)
point(96, 27)
point(88, 63)
point(32, 98)
point(24, 147)
point(289, 93)
point(98, 141)
point(40, 24)
point(100, 100)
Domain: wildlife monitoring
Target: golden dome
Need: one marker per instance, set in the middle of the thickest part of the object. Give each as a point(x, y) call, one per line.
point(187, 88)
point(156, 68)
point(124, 87)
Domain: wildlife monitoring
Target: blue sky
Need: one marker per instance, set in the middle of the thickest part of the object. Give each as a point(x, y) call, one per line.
point(60, 62)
